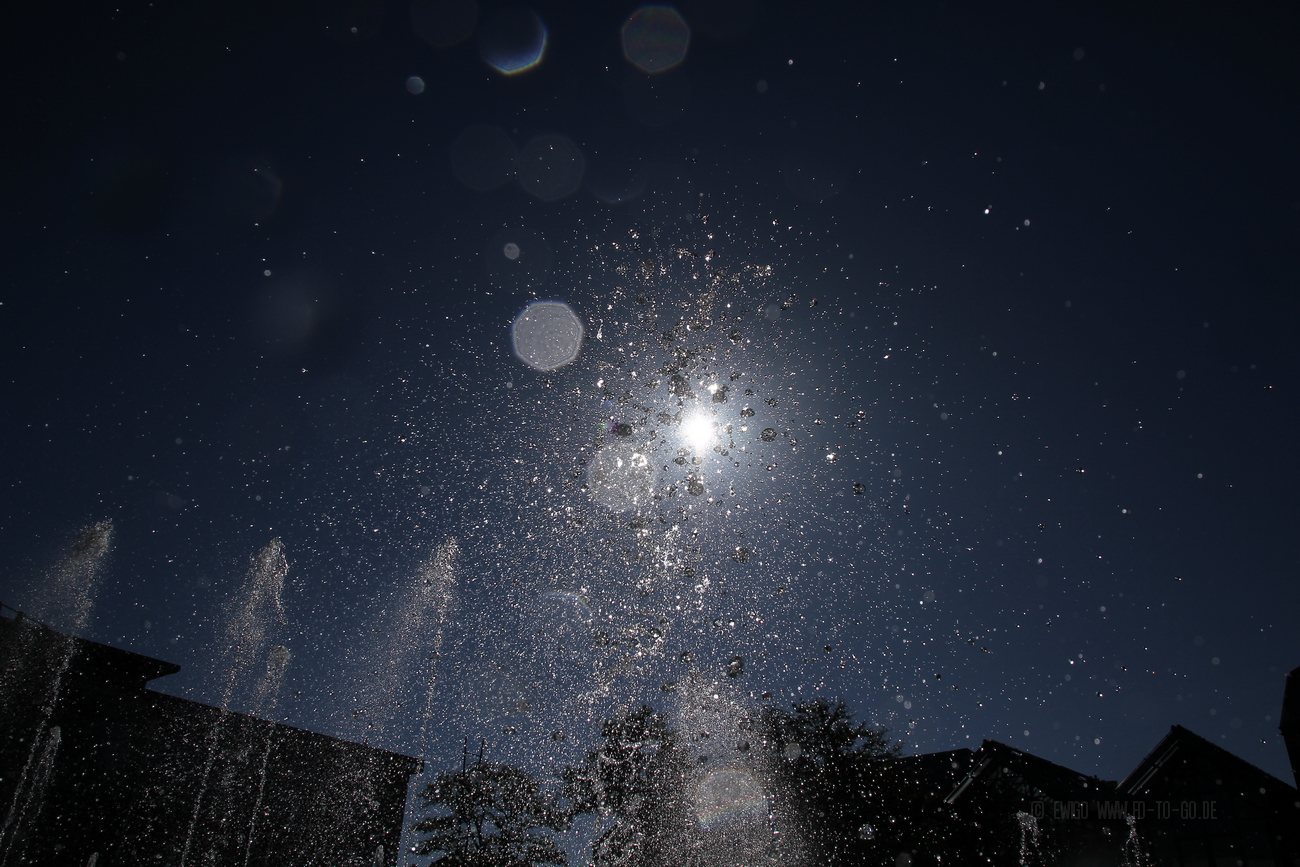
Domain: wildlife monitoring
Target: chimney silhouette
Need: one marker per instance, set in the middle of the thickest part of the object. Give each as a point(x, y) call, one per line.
point(1290, 724)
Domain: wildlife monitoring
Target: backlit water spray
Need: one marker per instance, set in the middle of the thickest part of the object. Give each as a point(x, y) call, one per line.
point(1028, 835)
point(36, 780)
point(414, 647)
point(268, 693)
point(65, 597)
point(1132, 854)
point(729, 786)
point(257, 608)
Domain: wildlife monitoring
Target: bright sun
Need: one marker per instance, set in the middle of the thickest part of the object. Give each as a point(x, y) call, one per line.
point(699, 432)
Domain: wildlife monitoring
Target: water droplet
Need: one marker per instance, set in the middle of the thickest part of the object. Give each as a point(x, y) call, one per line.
point(768, 435)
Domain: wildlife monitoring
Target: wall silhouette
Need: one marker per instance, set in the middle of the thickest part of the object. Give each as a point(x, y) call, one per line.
point(95, 768)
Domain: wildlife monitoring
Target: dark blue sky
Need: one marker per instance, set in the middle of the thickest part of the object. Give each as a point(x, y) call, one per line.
point(1015, 289)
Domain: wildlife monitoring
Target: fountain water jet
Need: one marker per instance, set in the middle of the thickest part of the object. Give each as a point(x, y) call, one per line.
point(416, 628)
point(1132, 853)
point(246, 635)
point(1028, 835)
point(277, 660)
point(33, 798)
point(67, 591)
point(259, 600)
point(66, 596)
point(411, 643)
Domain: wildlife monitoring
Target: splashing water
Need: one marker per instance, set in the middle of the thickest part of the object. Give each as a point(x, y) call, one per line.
point(1028, 835)
point(735, 819)
point(423, 612)
point(1132, 854)
point(277, 660)
point(389, 672)
point(67, 591)
point(267, 694)
point(246, 633)
point(33, 799)
point(258, 606)
point(440, 577)
point(65, 597)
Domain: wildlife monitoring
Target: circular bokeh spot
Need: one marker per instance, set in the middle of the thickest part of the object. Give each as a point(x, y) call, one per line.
point(730, 796)
point(513, 41)
point(349, 21)
point(655, 38)
point(483, 157)
point(615, 177)
point(657, 100)
point(551, 167)
point(519, 259)
point(547, 335)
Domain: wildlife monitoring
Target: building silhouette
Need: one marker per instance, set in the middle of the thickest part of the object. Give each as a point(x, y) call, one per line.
point(1203, 805)
point(96, 768)
point(1188, 803)
point(1289, 724)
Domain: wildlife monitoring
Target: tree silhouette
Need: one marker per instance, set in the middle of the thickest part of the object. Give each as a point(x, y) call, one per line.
point(489, 815)
point(633, 783)
point(838, 777)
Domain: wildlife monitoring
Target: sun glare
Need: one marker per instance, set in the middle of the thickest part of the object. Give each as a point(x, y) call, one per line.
point(698, 431)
